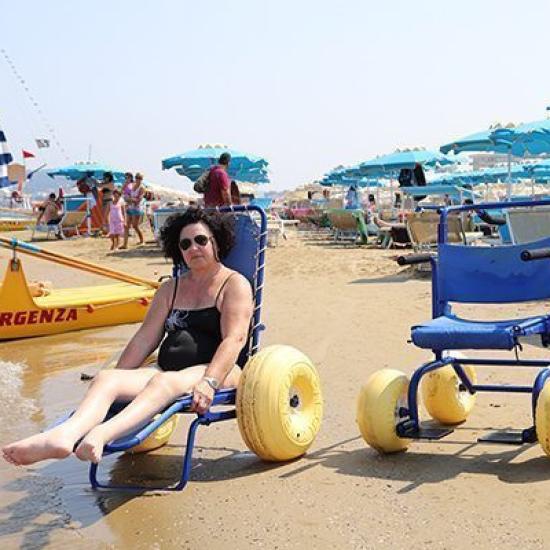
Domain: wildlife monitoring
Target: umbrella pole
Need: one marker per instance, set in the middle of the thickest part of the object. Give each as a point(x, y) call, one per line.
point(509, 184)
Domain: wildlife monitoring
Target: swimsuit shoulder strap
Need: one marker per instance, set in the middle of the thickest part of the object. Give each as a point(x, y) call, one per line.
point(222, 287)
point(174, 294)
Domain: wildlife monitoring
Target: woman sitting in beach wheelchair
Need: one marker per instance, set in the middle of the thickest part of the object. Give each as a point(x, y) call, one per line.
point(210, 313)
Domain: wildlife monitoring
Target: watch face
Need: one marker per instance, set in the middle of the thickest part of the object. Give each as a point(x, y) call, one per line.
point(212, 382)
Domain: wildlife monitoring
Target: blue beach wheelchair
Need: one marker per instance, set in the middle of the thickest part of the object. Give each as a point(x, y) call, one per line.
point(278, 404)
point(387, 409)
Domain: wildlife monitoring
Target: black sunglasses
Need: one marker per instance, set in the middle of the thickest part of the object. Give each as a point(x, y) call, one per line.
point(201, 240)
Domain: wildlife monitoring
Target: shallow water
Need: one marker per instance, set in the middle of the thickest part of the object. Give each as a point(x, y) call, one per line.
point(50, 503)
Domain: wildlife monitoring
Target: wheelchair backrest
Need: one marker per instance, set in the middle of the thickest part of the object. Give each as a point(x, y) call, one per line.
point(243, 257)
point(490, 275)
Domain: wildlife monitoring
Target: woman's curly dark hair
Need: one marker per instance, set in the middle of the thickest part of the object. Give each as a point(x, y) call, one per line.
point(221, 226)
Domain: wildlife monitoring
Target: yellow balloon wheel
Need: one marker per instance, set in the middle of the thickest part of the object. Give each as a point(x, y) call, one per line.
point(542, 419)
point(158, 438)
point(378, 410)
point(444, 398)
point(279, 403)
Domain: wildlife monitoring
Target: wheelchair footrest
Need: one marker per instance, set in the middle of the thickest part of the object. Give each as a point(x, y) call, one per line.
point(505, 437)
point(424, 432)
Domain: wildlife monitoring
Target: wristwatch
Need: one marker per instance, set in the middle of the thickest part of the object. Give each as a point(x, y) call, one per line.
point(212, 382)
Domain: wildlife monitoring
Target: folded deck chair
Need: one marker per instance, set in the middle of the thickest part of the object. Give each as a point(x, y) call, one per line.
point(348, 224)
point(246, 257)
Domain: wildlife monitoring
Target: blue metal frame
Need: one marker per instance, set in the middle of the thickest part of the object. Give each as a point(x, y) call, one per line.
point(410, 426)
point(221, 397)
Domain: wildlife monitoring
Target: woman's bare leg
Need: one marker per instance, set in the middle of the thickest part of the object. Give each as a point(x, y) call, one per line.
point(138, 230)
point(108, 386)
point(160, 391)
point(126, 232)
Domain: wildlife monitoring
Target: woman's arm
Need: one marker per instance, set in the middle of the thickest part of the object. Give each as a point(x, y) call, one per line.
point(150, 333)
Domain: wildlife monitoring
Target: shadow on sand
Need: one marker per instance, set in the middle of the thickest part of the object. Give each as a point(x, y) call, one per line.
point(417, 468)
point(58, 496)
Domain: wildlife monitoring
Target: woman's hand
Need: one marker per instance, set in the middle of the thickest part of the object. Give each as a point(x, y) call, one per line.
point(203, 395)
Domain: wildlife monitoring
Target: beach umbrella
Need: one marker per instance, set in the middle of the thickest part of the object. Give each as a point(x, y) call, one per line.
point(350, 175)
point(243, 166)
point(394, 162)
point(474, 177)
point(529, 138)
point(80, 169)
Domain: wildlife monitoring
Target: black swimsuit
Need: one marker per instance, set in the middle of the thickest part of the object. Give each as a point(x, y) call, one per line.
point(192, 335)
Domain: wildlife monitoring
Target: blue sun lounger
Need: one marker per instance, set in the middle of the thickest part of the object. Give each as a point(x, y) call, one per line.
point(469, 275)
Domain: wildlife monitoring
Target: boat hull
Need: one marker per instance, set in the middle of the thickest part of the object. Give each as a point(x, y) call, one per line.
point(64, 310)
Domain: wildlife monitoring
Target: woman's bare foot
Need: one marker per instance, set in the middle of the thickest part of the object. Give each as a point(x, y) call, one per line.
point(55, 443)
point(91, 447)
point(123, 247)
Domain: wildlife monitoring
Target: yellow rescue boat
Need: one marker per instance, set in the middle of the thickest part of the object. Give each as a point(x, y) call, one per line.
point(14, 224)
point(35, 310)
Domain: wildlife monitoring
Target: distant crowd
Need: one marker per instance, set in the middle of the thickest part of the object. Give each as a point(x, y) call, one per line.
point(121, 207)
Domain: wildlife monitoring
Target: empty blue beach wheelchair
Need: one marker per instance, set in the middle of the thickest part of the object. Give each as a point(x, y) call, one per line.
point(278, 404)
point(387, 408)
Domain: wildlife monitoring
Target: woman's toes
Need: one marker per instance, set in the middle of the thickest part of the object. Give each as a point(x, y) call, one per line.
point(91, 448)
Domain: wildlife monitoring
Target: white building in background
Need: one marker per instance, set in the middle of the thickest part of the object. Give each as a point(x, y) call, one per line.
point(481, 161)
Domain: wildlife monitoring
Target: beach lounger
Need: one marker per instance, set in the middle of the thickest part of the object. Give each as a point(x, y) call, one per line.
point(276, 228)
point(348, 224)
point(388, 411)
point(278, 404)
point(528, 224)
point(70, 223)
point(422, 228)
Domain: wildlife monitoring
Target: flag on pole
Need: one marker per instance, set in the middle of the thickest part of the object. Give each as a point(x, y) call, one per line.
point(5, 159)
point(42, 143)
point(27, 154)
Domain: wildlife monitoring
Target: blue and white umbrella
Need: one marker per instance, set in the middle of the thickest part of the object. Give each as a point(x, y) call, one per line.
point(80, 169)
point(243, 167)
point(394, 162)
point(529, 138)
point(5, 159)
point(348, 175)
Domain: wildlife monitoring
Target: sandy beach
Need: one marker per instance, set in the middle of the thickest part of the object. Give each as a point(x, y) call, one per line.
point(349, 308)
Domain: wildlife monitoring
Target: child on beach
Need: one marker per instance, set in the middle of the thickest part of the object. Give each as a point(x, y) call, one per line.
point(116, 220)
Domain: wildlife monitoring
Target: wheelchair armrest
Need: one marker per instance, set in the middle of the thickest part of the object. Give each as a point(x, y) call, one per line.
point(536, 254)
point(412, 259)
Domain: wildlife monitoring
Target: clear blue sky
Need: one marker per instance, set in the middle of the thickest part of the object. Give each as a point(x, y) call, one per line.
point(306, 84)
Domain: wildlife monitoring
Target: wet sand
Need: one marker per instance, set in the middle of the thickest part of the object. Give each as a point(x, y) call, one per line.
point(350, 309)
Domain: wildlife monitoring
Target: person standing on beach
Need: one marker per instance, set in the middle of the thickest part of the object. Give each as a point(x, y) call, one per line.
point(116, 220)
point(107, 188)
point(134, 210)
point(219, 184)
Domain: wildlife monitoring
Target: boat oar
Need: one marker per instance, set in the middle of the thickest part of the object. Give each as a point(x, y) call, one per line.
point(75, 263)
